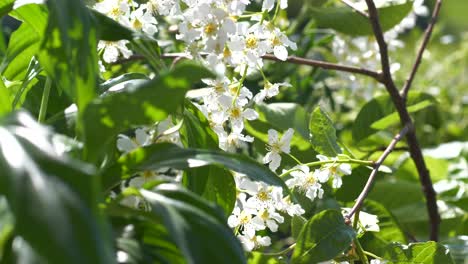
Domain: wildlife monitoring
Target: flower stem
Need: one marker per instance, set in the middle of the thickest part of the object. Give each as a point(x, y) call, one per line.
point(360, 251)
point(283, 252)
point(320, 163)
point(294, 158)
point(44, 100)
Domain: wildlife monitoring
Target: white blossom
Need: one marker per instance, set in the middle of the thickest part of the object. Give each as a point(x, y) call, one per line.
point(276, 146)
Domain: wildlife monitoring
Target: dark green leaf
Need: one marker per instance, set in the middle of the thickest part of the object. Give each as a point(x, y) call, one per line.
point(142, 104)
point(323, 134)
point(6, 225)
point(259, 258)
point(390, 230)
point(322, 238)
point(297, 223)
point(52, 197)
point(68, 51)
point(169, 155)
point(379, 113)
point(211, 182)
point(420, 253)
point(111, 30)
point(201, 237)
point(347, 21)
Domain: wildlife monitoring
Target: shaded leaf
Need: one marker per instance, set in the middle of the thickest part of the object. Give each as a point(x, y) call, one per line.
point(379, 113)
point(52, 198)
point(211, 182)
point(136, 105)
point(345, 20)
point(322, 238)
point(201, 237)
point(165, 155)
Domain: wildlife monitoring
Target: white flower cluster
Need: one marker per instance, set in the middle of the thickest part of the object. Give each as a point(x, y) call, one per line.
point(259, 207)
point(310, 183)
point(130, 14)
point(225, 38)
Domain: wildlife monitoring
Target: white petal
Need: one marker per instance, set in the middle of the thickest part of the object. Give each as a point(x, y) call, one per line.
point(280, 52)
point(250, 114)
point(275, 161)
point(272, 136)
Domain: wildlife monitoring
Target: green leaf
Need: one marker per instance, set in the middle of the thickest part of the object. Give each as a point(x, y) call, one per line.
point(403, 193)
point(345, 20)
point(25, 41)
point(259, 258)
point(6, 6)
point(420, 253)
point(142, 104)
point(122, 80)
point(6, 225)
point(297, 223)
point(353, 184)
point(438, 168)
point(213, 183)
point(5, 102)
point(323, 134)
point(390, 230)
point(52, 197)
point(322, 238)
point(200, 232)
point(394, 119)
point(109, 29)
point(68, 51)
point(284, 116)
point(169, 155)
point(379, 113)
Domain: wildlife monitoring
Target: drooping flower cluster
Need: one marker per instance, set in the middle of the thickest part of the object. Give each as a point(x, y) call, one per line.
point(259, 207)
point(225, 38)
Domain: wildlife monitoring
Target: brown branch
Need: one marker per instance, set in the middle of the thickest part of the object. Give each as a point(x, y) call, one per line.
point(373, 174)
point(422, 48)
point(292, 59)
point(327, 65)
point(355, 9)
point(405, 118)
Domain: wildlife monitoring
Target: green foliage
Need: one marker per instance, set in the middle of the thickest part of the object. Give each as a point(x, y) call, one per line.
point(345, 20)
point(67, 194)
point(323, 134)
point(424, 253)
point(169, 155)
point(322, 238)
point(379, 113)
point(52, 199)
point(195, 227)
point(146, 102)
point(213, 183)
point(68, 50)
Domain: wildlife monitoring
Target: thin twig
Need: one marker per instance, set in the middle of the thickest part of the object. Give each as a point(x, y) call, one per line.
point(291, 59)
point(373, 174)
point(326, 65)
point(422, 48)
point(405, 118)
point(355, 9)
